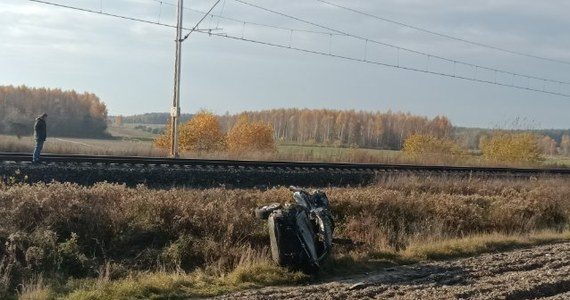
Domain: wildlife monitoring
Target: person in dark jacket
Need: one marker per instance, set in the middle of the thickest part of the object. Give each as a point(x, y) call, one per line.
point(40, 133)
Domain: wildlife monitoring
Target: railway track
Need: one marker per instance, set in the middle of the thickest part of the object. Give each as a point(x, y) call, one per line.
point(131, 170)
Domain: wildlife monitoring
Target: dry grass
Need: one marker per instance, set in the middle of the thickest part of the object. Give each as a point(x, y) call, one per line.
point(139, 242)
point(127, 147)
point(35, 289)
point(141, 145)
point(131, 146)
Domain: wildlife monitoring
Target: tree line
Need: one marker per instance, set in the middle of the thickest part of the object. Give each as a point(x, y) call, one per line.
point(69, 113)
point(383, 130)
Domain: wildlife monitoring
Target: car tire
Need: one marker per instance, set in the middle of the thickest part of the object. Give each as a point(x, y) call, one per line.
point(286, 249)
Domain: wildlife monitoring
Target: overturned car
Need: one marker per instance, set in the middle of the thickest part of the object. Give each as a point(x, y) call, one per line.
point(301, 232)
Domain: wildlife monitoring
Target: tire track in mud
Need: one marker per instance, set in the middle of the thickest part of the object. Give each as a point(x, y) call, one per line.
point(541, 272)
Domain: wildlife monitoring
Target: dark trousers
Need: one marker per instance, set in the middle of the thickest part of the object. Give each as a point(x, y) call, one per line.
point(37, 150)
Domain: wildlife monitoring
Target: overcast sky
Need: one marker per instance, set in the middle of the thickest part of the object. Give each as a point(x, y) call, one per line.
point(341, 58)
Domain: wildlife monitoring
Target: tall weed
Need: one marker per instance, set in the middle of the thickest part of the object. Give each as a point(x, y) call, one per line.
point(109, 232)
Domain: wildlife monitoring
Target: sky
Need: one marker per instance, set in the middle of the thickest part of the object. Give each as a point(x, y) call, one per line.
point(487, 63)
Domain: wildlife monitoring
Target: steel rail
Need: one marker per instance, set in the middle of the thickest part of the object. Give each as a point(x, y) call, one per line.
point(357, 167)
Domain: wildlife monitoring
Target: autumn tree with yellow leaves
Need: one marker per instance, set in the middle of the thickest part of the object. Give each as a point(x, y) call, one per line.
point(421, 145)
point(250, 136)
point(201, 133)
point(505, 147)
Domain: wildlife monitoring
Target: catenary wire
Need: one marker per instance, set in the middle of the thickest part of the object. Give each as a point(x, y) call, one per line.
point(316, 52)
point(445, 35)
point(391, 65)
point(401, 48)
point(202, 19)
point(221, 13)
point(220, 16)
point(102, 13)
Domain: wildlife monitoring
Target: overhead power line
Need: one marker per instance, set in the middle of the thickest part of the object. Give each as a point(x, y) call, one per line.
point(427, 55)
point(474, 79)
point(101, 12)
point(202, 19)
point(364, 60)
point(446, 35)
point(219, 16)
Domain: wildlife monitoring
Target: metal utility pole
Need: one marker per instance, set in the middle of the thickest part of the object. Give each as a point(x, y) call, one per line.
point(175, 111)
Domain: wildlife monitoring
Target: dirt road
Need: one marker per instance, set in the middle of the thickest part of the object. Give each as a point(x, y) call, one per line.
point(541, 272)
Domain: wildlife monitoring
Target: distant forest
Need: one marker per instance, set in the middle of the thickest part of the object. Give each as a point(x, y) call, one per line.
point(384, 130)
point(84, 115)
point(351, 128)
point(69, 113)
point(380, 130)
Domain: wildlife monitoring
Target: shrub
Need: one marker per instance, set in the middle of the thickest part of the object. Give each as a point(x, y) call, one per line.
point(421, 146)
point(202, 133)
point(505, 147)
point(247, 136)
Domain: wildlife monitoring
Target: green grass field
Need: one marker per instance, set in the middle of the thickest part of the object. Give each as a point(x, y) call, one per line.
point(557, 161)
point(334, 153)
point(129, 131)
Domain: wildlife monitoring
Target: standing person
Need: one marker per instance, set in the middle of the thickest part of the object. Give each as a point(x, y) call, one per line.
point(40, 133)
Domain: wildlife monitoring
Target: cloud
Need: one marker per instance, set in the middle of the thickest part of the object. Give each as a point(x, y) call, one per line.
point(130, 64)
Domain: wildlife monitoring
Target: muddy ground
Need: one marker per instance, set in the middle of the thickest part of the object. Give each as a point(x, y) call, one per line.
point(541, 272)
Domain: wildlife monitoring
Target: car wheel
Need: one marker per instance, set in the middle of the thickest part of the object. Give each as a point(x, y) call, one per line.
point(286, 249)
